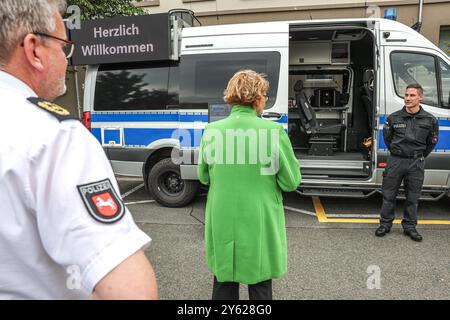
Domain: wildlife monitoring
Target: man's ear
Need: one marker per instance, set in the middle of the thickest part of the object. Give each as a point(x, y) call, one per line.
point(32, 46)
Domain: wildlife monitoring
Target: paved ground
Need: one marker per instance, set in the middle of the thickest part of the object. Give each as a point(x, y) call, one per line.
point(332, 259)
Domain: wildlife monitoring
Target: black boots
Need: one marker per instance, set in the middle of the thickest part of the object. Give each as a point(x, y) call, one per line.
point(381, 231)
point(413, 234)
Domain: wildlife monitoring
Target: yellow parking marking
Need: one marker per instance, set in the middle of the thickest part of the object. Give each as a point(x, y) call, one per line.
point(446, 222)
point(322, 217)
point(320, 212)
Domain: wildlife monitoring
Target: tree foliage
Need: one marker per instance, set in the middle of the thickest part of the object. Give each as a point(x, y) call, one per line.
point(94, 9)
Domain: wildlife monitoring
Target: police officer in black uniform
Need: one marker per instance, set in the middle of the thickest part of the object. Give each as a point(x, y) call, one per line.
point(410, 135)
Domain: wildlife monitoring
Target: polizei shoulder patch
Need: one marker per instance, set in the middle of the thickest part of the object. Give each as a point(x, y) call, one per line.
point(59, 112)
point(102, 201)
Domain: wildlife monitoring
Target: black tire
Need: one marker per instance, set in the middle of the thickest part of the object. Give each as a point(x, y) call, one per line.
point(167, 187)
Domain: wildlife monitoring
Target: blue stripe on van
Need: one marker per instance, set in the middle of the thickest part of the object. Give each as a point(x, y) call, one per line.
point(97, 132)
point(193, 118)
point(156, 117)
point(134, 117)
point(284, 119)
point(444, 135)
point(442, 145)
point(147, 117)
point(443, 122)
point(142, 137)
point(111, 135)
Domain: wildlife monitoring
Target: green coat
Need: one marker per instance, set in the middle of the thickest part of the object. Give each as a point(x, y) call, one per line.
point(245, 234)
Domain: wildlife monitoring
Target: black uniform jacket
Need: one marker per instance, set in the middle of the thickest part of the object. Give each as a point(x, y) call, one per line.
point(411, 135)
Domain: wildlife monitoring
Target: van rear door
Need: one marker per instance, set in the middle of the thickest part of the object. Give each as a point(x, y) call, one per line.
point(331, 59)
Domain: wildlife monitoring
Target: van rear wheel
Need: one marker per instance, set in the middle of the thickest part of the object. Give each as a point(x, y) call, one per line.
point(167, 187)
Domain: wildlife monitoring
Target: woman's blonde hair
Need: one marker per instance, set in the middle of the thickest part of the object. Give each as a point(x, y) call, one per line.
point(245, 87)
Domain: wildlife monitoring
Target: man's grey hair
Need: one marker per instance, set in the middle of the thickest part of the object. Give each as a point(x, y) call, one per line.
point(20, 17)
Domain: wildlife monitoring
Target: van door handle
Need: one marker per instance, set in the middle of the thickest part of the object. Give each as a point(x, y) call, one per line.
point(272, 115)
point(172, 106)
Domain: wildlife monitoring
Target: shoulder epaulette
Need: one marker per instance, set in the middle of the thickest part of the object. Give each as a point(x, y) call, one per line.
point(59, 112)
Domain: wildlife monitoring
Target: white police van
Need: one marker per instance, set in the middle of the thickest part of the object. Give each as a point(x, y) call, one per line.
point(332, 85)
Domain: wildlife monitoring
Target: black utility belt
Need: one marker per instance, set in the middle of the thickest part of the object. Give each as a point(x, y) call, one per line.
point(414, 156)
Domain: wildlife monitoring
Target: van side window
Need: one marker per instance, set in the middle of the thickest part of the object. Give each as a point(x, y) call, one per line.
point(131, 88)
point(174, 87)
point(410, 68)
point(445, 84)
point(204, 77)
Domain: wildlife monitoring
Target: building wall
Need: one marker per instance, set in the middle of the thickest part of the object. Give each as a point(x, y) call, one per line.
point(204, 6)
point(435, 12)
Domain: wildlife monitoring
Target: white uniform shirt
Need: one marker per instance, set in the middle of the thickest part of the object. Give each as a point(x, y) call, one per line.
point(47, 230)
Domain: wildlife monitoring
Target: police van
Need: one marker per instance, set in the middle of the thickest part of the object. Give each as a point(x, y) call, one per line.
point(332, 85)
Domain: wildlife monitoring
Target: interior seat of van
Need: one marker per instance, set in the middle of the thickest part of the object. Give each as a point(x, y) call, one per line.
point(322, 136)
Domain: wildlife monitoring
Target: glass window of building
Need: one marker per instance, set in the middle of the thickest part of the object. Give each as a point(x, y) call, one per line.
point(444, 39)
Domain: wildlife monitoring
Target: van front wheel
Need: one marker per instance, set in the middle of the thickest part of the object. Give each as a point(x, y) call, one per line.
point(167, 187)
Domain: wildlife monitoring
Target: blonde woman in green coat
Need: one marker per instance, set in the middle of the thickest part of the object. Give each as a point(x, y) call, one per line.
point(247, 162)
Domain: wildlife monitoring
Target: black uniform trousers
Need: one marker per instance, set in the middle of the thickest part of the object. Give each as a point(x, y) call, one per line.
point(411, 172)
point(230, 290)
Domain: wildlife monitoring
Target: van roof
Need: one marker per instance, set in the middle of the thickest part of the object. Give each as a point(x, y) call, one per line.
point(283, 26)
point(280, 26)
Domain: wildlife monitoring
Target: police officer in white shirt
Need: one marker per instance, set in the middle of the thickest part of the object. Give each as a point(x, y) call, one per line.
point(64, 232)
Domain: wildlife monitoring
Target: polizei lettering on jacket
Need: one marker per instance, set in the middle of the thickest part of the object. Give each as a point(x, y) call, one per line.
point(96, 187)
